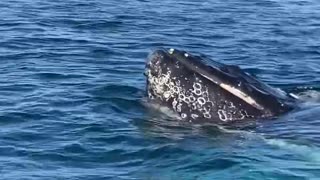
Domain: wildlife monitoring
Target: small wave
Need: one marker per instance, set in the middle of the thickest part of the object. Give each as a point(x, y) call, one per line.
point(115, 91)
point(57, 76)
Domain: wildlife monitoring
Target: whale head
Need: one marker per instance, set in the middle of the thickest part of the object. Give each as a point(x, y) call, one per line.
point(199, 89)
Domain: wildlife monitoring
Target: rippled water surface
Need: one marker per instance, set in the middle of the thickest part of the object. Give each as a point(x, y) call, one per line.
point(72, 87)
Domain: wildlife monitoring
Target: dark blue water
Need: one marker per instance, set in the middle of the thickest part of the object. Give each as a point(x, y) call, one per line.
point(72, 85)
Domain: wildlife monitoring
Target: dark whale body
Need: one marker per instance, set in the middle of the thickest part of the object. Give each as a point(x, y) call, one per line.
point(219, 93)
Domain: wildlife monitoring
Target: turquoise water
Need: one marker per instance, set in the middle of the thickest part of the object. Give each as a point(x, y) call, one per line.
point(72, 88)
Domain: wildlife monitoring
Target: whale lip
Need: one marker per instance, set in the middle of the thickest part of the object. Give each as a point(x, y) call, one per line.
point(229, 77)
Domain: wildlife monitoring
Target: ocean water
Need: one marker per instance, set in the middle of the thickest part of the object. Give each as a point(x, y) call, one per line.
point(72, 89)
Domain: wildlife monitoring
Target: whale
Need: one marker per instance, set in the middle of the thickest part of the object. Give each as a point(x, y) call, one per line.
point(199, 89)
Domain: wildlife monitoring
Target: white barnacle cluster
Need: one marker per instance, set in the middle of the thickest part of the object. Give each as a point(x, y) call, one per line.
point(158, 85)
point(227, 111)
point(203, 103)
point(197, 89)
point(222, 115)
point(189, 103)
point(195, 100)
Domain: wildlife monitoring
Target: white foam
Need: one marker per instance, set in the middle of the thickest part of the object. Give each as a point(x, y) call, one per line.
point(162, 109)
point(311, 153)
point(309, 96)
